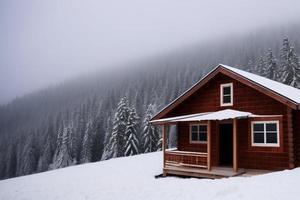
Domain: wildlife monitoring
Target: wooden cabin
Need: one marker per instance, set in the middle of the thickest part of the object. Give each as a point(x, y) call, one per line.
point(232, 121)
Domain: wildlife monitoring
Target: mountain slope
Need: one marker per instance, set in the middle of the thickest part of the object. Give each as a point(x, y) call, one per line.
point(133, 178)
point(82, 111)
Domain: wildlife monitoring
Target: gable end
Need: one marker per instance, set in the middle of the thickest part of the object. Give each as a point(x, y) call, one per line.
point(231, 74)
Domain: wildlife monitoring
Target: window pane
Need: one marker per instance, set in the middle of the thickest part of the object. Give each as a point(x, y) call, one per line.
point(195, 128)
point(271, 127)
point(259, 137)
point(258, 127)
point(203, 128)
point(271, 137)
point(226, 99)
point(226, 90)
point(203, 136)
point(194, 136)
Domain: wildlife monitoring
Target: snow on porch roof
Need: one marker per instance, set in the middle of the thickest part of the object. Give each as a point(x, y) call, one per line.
point(218, 115)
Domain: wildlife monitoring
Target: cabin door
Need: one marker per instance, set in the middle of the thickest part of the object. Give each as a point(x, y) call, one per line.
point(225, 144)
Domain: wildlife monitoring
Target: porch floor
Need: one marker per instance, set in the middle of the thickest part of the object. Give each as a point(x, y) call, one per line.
point(215, 172)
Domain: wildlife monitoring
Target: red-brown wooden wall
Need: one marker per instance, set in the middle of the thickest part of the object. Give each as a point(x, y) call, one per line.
point(296, 129)
point(207, 99)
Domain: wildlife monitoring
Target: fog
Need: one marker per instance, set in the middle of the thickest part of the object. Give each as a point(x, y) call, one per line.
point(46, 42)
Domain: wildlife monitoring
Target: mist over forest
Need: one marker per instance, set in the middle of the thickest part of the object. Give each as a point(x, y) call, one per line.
point(106, 114)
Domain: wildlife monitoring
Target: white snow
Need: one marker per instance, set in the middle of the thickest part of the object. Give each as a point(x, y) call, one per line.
point(170, 119)
point(218, 115)
point(277, 87)
point(133, 178)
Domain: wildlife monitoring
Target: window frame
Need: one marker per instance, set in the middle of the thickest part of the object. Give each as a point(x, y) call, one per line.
point(190, 134)
point(222, 86)
point(265, 144)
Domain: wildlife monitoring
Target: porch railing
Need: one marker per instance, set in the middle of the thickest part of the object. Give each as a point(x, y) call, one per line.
point(186, 158)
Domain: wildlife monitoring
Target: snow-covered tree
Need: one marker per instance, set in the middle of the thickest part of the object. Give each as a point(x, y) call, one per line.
point(29, 155)
point(118, 138)
point(86, 153)
point(132, 145)
point(270, 70)
point(63, 154)
point(107, 152)
point(150, 132)
point(295, 66)
point(260, 68)
point(251, 66)
point(290, 67)
point(47, 149)
point(46, 157)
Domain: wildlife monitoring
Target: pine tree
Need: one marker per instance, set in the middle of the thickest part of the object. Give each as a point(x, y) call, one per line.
point(284, 60)
point(251, 66)
point(29, 155)
point(270, 70)
point(150, 132)
point(49, 148)
point(63, 153)
point(260, 68)
point(80, 130)
point(86, 153)
point(99, 134)
point(290, 67)
point(10, 161)
point(107, 152)
point(117, 140)
point(132, 143)
point(46, 157)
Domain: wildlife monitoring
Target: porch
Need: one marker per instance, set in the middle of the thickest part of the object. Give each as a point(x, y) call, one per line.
point(199, 163)
point(194, 164)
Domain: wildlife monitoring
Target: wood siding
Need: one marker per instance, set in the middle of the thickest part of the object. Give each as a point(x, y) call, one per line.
point(296, 130)
point(245, 98)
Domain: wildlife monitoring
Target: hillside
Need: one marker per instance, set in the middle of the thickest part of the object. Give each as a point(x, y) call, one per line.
point(133, 178)
point(72, 122)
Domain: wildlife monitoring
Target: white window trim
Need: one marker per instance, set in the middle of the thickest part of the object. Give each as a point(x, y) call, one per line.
point(197, 142)
point(231, 93)
point(265, 135)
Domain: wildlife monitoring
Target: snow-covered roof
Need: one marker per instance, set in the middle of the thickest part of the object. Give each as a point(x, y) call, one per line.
point(288, 92)
point(279, 88)
point(169, 119)
point(218, 115)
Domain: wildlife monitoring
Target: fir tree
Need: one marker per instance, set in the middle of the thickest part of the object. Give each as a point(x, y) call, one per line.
point(107, 152)
point(284, 60)
point(132, 142)
point(46, 157)
point(150, 132)
point(48, 150)
point(118, 140)
point(63, 154)
point(290, 67)
point(260, 68)
point(86, 153)
point(29, 155)
point(270, 66)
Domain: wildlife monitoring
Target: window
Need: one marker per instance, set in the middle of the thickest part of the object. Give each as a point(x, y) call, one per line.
point(226, 95)
point(198, 133)
point(265, 133)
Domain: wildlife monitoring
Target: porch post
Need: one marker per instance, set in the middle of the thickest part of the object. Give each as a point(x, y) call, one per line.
point(208, 145)
point(164, 129)
point(235, 162)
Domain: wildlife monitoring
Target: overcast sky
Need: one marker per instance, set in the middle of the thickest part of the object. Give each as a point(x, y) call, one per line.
point(45, 42)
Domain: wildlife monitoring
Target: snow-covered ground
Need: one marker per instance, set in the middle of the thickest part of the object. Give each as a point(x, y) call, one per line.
point(133, 178)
